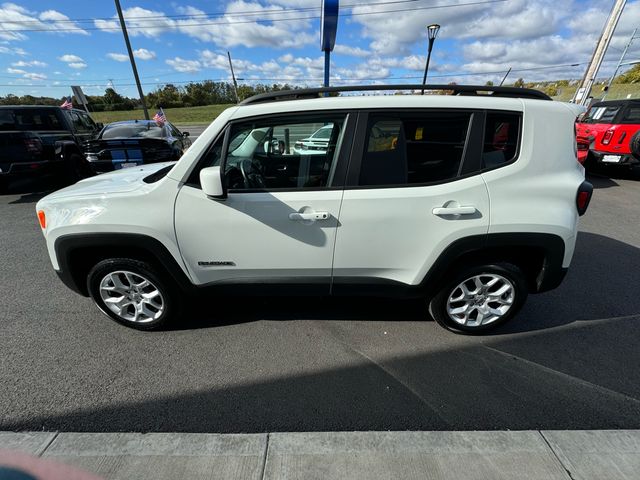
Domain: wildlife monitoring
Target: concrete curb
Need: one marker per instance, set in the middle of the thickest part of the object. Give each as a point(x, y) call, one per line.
point(562, 455)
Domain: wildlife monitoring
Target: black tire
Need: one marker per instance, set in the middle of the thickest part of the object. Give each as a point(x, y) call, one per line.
point(634, 145)
point(438, 304)
point(169, 295)
point(76, 168)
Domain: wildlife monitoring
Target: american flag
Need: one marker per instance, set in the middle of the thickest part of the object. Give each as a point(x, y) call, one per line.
point(160, 117)
point(67, 105)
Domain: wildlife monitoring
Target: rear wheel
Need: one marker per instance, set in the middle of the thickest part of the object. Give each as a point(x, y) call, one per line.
point(480, 298)
point(76, 168)
point(133, 293)
point(634, 145)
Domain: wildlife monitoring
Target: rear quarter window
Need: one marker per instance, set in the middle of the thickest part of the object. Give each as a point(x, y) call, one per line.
point(35, 119)
point(7, 120)
point(501, 137)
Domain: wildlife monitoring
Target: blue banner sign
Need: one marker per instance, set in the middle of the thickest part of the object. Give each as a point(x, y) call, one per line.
point(329, 24)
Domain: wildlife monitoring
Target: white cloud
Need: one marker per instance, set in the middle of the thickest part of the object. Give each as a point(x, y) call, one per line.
point(35, 76)
point(234, 29)
point(77, 65)
point(15, 18)
point(32, 63)
point(15, 71)
point(144, 54)
point(139, 23)
point(13, 51)
point(118, 57)
point(68, 58)
point(342, 49)
point(185, 66)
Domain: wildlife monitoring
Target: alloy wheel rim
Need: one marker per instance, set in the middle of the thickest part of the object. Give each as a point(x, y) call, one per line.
point(131, 296)
point(480, 300)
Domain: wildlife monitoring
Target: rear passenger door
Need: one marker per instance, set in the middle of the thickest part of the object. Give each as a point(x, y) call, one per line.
point(413, 187)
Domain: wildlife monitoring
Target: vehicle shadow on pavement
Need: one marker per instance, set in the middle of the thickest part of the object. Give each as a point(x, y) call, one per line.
point(599, 285)
point(33, 189)
point(600, 181)
point(533, 382)
point(605, 175)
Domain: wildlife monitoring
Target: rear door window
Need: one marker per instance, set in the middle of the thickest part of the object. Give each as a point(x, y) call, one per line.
point(414, 148)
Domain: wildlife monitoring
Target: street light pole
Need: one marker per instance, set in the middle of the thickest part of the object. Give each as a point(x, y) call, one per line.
point(620, 64)
point(432, 32)
point(133, 62)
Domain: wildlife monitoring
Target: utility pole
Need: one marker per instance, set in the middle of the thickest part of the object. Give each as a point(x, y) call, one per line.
point(133, 62)
point(584, 89)
point(505, 76)
point(624, 53)
point(235, 84)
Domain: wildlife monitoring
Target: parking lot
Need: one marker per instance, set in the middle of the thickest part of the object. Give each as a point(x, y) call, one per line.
point(568, 361)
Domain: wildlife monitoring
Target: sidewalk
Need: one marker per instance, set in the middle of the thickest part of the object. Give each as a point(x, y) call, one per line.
point(548, 455)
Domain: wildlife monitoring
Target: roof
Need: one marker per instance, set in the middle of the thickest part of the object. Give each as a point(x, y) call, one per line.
point(624, 101)
point(466, 90)
point(38, 107)
point(127, 122)
point(381, 102)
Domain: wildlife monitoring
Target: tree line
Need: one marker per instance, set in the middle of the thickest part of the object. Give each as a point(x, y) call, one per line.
point(210, 93)
point(168, 96)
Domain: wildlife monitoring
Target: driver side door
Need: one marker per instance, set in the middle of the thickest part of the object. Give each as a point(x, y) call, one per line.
point(278, 223)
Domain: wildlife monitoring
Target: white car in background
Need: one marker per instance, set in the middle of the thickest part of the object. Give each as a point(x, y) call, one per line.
point(316, 143)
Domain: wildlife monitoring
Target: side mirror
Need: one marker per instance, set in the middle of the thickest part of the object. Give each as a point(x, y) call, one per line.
point(100, 125)
point(211, 181)
point(185, 134)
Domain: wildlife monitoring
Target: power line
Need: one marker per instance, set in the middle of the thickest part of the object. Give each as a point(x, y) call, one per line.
point(271, 20)
point(106, 80)
point(302, 79)
point(218, 14)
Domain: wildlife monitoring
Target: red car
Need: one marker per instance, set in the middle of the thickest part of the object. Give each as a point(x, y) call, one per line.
point(609, 133)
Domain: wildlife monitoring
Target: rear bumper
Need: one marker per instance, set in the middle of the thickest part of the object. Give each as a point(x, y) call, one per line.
point(625, 158)
point(27, 168)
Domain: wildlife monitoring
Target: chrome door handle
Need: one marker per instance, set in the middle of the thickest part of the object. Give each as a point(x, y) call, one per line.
point(308, 216)
point(467, 210)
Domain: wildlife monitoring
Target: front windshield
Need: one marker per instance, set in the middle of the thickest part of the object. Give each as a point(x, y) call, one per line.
point(136, 130)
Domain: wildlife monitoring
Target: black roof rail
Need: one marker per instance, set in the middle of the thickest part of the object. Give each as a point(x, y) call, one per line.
point(512, 92)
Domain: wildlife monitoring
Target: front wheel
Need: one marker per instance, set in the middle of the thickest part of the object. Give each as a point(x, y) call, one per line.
point(480, 298)
point(133, 293)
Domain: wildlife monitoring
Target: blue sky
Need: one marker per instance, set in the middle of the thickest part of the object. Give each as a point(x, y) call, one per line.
point(382, 41)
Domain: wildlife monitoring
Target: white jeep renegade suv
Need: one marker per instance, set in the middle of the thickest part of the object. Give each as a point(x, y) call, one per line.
point(469, 200)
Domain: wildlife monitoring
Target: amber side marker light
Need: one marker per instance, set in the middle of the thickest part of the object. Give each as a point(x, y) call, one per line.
point(42, 219)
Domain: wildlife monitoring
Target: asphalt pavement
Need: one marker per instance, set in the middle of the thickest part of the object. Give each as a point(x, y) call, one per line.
point(568, 361)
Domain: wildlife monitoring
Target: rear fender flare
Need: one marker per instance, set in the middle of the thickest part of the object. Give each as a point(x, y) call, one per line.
point(65, 148)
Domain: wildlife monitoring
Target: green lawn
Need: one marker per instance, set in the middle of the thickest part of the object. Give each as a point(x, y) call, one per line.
point(207, 113)
point(617, 91)
point(204, 114)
